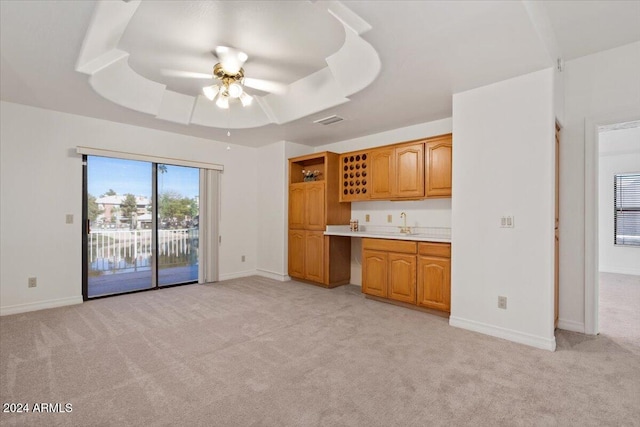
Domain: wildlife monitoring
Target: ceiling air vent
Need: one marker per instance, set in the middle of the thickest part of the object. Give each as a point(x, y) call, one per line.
point(329, 120)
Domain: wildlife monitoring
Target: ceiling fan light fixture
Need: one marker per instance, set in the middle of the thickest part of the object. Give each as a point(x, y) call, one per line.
point(223, 101)
point(211, 91)
point(246, 99)
point(235, 90)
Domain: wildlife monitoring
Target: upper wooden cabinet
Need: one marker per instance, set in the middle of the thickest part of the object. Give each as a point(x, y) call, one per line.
point(439, 155)
point(406, 171)
point(383, 172)
point(397, 172)
point(409, 170)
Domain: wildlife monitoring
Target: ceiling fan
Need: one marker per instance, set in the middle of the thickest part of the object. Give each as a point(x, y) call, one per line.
point(230, 74)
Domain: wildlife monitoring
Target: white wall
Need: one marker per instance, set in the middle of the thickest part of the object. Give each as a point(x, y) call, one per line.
point(503, 151)
point(273, 192)
point(41, 181)
point(619, 153)
point(422, 213)
point(598, 86)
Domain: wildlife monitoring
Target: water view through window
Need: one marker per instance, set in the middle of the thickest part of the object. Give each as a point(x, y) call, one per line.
point(124, 245)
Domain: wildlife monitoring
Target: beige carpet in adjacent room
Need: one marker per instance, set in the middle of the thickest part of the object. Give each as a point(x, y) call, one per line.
point(619, 309)
point(256, 352)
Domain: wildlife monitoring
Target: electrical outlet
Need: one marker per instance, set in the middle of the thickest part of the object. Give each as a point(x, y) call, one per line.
point(242, 258)
point(367, 218)
point(389, 218)
point(33, 282)
point(502, 303)
point(507, 222)
point(69, 219)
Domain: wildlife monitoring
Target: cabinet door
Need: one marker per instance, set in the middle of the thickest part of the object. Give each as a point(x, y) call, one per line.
point(297, 206)
point(383, 173)
point(314, 206)
point(374, 273)
point(439, 161)
point(296, 253)
point(409, 162)
point(314, 256)
point(434, 283)
point(402, 278)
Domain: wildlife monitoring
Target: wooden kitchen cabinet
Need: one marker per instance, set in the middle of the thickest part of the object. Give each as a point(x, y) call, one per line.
point(297, 244)
point(439, 155)
point(375, 273)
point(297, 209)
point(383, 173)
point(409, 169)
point(402, 278)
point(397, 172)
point(406, 171)
point(314, 257)
point(409, 272)
point(389, 269)
point(307, 206)
point(434, 276)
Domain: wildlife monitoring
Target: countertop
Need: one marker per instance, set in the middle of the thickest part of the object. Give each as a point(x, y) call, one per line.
point(419, 234)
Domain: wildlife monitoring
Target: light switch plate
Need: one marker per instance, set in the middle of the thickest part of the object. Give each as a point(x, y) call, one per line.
point(367, 218)
point(389, 218)
point(69, 218)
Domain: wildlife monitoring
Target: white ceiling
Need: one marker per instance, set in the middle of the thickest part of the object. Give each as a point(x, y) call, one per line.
point(428, 50)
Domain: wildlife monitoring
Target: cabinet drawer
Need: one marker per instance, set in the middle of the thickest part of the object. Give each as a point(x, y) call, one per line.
point(435, 249)
point(400, 246)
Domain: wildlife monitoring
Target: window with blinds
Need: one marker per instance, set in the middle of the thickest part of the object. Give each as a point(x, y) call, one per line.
point(626, 194)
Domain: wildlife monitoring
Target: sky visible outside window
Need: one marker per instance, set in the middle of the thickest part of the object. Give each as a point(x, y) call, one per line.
point(134, 177)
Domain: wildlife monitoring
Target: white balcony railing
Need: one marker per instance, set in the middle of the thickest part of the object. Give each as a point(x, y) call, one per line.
point(116, 250)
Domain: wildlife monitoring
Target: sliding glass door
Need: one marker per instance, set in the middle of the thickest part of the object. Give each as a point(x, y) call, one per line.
point(142, 225)
point(178, 224)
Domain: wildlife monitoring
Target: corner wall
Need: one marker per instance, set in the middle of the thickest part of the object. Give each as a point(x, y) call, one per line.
point(503, 151)
point(41, 182)
point(273, 199)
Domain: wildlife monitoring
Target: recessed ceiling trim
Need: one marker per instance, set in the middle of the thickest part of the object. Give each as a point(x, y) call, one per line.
point(349, 70)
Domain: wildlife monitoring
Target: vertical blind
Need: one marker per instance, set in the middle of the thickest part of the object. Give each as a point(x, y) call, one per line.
point(626, 194)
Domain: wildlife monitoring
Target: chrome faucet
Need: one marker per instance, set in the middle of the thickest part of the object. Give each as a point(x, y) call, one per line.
point(404, 229)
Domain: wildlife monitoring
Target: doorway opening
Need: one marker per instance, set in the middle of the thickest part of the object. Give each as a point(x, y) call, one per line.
point(618, 232)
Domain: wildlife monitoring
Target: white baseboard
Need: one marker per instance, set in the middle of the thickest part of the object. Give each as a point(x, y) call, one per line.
point(618, 270)
point(237, 275)
point(40, 305)
point(507, 334)
point(571, 325)
point(273, 275)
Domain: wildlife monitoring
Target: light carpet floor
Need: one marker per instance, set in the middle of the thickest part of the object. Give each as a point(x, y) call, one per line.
point(619, 308)
point(256, 352)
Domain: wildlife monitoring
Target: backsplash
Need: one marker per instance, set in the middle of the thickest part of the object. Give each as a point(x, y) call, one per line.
point(420, 213)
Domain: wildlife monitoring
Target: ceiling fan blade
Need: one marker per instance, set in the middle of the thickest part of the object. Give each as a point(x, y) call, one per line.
point(186, 74)
point(266, 85)
point(231, 59)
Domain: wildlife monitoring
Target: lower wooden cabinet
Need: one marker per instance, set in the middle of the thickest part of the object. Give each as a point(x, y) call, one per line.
point(409, 272)
point(389, 269)
point(314, 256)
point(375, 273)
point(322, 260)
point(402, 278)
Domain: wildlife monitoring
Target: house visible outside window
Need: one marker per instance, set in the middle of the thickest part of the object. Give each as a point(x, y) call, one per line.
point(626, 217)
